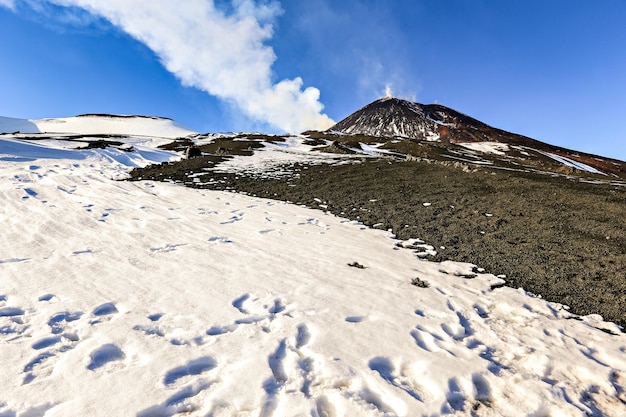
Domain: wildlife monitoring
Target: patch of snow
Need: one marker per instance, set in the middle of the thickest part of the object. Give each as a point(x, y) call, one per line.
point(495, 148)
point(571, 163)
point(273, 157)
point(373, 149)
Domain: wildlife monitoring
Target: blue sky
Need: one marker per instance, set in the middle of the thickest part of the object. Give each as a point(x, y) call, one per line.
point(552, 70)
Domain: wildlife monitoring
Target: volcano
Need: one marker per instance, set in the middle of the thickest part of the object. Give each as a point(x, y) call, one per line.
point(395, 118)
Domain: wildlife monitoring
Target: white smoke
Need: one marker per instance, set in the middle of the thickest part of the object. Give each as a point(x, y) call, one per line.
point(222, 53)
point(388, 91)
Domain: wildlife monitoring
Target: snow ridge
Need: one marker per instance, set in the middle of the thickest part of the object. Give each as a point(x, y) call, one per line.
point(98, 124)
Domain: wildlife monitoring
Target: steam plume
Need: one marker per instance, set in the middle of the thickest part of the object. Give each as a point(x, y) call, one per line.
point(388, 91)
point(221, 53)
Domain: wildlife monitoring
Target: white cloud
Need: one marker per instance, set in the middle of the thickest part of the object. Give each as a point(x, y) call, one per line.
point(222, 54)
point(10, 4)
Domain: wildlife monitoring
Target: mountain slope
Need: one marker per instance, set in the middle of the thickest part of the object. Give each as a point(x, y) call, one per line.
point(151, 299)
point(393, 118)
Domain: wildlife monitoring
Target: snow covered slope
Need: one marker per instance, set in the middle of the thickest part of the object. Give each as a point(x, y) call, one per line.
point(13, 125)
point(127, 140)
point(151, 299)
point(98, 124)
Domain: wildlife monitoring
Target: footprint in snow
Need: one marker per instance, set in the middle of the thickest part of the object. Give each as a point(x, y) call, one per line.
point(13, 260)
point(104, 355)
point(102, 311)
point(179, 403)
point(39, 366)
point(376, 399)
point(239, 302)
point(59, 321)
point(11, 312)
point(254, 311)
point(87, 251)
point(233, 219)
point(324, 407)
point(194, 367)
point(425, 340)
point(42, 364)
point(249, 304)
point(30, 193)
point(12, 324)
point(220, 239)
point(482, 388)
point(303, 337)
point(387, 372)
point(278, 307)
point(356, 319)
point(48, 348)
point(46, 342)
point(458, 331)
point(274, 384)
point(276, 362)
point(455, 398)
point(151, 329)
point(219, 330)
point(155, 317)
point(169, 247)
point(307, 364)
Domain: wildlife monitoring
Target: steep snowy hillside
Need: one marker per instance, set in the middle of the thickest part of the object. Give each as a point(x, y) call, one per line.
point(151, 299)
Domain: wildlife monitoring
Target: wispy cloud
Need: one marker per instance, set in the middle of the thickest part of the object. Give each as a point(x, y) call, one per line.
point(10, 4)
point(217, 50)
point(60, 18)
point(364, 47)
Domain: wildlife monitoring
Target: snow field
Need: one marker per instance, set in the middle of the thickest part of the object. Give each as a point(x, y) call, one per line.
point(97, 124)
point(151, 299)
